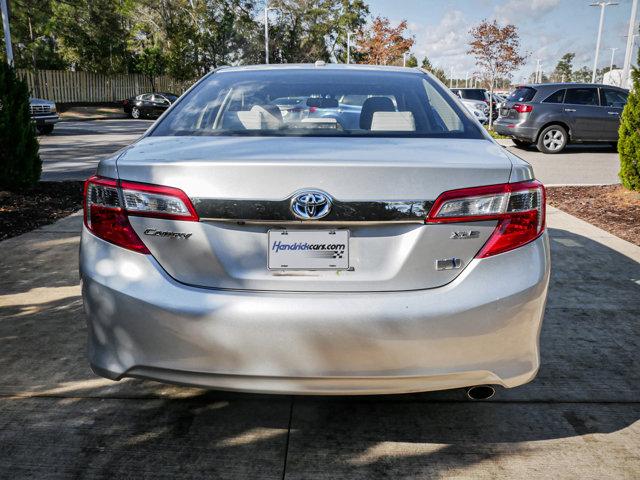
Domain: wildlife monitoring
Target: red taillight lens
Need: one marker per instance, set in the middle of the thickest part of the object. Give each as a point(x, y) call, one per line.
point(522, 108)
point(109, 203)
point(518, 207)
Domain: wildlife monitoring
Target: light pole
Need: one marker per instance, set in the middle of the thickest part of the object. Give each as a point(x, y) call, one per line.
point(629, 51)
point(538, 65)
point(613, 52)
point(266, 31)
point(451, 77)
point(7, 33)
point(404, 59)
point(602, 6)
point(349, 47)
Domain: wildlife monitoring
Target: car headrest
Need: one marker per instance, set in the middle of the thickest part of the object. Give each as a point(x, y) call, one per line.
point(372, 105)
point(393, 122)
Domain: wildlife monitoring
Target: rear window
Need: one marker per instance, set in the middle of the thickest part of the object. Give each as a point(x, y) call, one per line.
point(327, 102)
point(522, 94)
point(474, 94)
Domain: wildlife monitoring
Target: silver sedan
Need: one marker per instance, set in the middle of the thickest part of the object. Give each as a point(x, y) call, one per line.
point(235, 247)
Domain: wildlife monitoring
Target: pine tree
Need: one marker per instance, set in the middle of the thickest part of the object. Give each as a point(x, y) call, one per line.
point(20, 164)
point(629, 141)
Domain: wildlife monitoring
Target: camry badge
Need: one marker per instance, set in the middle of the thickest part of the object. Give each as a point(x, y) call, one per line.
point(162, 233)
point(311, 205)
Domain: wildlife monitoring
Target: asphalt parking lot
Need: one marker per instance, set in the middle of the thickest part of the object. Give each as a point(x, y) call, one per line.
point(578, 419)
point(73, 151)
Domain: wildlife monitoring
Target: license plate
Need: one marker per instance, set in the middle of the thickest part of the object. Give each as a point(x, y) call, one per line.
point(308, 250)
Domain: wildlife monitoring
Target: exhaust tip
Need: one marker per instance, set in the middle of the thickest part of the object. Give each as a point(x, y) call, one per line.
point(481, 392)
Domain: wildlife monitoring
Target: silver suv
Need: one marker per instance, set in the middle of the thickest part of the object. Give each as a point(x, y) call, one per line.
point(554, 114)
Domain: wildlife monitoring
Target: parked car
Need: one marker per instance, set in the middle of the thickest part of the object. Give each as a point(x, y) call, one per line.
point(552, 115)
point(233, 248)
point(148, 104)
point(44, 114)
point(478, 108)
point(477, 94)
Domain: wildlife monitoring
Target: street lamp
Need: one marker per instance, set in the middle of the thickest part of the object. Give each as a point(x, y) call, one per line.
point(613, 52)
point(629, 51)
point(602, 6)
point(266, 30)
point(349, 47)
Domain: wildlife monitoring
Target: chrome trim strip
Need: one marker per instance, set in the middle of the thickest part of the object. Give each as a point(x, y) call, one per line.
point(269, 211)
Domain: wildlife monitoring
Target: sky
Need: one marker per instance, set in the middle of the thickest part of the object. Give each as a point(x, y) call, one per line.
point(548, 29)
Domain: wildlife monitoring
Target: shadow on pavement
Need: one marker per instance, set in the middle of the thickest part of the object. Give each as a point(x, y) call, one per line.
point(57, 420)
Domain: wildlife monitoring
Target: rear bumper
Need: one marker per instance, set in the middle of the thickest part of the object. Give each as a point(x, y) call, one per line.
point(507, 127)
point(481, 328)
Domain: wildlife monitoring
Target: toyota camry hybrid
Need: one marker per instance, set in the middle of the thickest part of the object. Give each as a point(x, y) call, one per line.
point(237, 246)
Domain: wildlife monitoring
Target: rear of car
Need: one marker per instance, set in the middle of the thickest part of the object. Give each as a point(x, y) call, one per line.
point(553, 115)
point(239, 247)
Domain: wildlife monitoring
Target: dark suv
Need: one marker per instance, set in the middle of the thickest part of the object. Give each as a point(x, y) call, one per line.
point(551, 115)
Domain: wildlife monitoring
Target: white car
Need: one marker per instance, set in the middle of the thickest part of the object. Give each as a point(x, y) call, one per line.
point(479, 109)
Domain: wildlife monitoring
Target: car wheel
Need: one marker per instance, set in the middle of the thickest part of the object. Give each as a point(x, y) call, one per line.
point(45, 129)
point(520, 143)
point(135, 112)
point(552, 139)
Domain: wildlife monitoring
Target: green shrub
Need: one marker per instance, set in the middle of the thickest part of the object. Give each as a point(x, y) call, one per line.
point(629, 139)
point(20, 164)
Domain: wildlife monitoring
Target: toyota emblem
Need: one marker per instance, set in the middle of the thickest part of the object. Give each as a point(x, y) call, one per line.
point(311, 205)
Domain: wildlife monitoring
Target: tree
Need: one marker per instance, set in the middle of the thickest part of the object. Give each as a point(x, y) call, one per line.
point(497, 52)
point(151, 63)
point(20, 163)
point(629, 136)
point(437, 72)
point(384, 44)
point(582, 75)
point(564, 68)
point(412, 61)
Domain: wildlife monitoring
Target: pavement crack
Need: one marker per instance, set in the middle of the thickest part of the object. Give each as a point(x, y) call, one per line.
point(286, 448)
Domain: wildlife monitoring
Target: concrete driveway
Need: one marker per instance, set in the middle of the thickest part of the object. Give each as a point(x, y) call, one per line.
point(73, 150)
point(578, 419)
point(577, 165)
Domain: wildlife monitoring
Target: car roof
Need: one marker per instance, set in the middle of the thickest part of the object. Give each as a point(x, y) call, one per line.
point(567, 85)
point(327, 66)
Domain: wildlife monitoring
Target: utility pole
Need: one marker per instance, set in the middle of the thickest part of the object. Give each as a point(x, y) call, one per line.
point(404, 59)
point(451, 77)
point(538, 65)
point(7, 32)
point(466, 79)
point(602, 6)
point(629, 51)
point(266, 30)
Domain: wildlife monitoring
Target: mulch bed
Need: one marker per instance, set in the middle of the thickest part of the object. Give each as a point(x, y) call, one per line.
point(27, 209)
point(610, 207)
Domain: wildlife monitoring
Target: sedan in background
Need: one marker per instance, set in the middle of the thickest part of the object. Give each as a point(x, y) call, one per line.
point(234, 247)
point(150, 105)
point(552, 115)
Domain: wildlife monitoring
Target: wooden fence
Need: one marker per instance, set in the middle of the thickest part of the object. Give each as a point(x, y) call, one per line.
point(70, 87)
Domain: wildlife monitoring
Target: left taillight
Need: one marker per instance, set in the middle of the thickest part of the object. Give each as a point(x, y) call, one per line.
point(519, 209)
point(109, 203)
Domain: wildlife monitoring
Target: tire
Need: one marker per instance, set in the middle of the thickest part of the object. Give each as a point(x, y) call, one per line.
point(520, 143)
point(136, 113)
point(552, 139)
point(45, 129)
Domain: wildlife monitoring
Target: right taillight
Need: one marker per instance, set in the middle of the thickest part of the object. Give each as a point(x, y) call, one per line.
point(519, 209)
point(109, 203)
point(522, 108)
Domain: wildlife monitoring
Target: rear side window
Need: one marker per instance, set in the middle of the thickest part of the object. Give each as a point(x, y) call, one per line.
point(522, 94)
point(613, 98)
point(582, 96)
point(555, 97)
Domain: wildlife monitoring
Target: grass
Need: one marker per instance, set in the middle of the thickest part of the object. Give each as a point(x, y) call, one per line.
point(495, 135)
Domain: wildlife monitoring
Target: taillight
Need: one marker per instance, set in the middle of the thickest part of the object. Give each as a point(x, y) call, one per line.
point(519, 209)
point(522, 108)
point(109, 203)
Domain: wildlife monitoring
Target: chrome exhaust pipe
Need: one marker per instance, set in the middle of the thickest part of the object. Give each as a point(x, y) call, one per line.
point(481, 392)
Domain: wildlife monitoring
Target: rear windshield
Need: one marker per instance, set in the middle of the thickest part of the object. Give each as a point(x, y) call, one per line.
point(474, 94)
point(330, 102)
point(522, 94)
